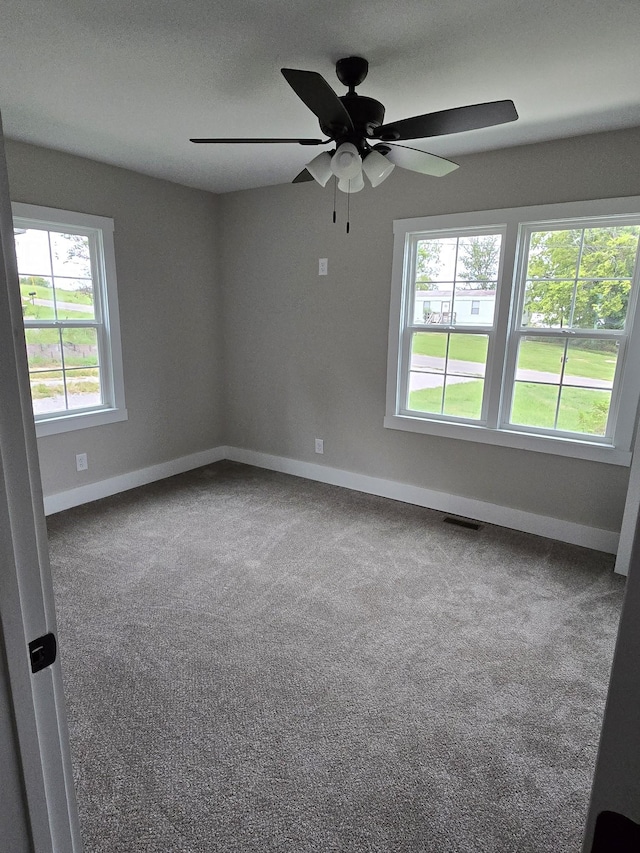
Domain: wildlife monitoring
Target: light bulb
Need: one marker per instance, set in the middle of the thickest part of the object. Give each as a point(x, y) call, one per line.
point(346, 162)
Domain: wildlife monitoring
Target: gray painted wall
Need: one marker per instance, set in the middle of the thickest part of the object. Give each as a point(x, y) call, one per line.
point(230, 337)
point(306, 356)
point(169, 294)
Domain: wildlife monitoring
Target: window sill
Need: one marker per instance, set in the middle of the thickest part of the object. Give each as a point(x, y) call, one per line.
point(510, 438)
point(80, 420)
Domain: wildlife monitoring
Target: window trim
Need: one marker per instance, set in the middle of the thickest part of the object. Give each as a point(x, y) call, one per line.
point(512, 220)
point(100, 228)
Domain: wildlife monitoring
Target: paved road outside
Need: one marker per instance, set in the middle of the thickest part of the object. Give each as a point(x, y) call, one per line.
point(43, 405)
point(427, 372)
point(68, 306)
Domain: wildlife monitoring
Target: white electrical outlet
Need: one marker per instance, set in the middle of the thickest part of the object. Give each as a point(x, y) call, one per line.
point(319, 445)
point(323, 266)
point(81, 462)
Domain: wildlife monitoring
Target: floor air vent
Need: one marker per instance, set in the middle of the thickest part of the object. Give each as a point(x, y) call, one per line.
point(462, 522)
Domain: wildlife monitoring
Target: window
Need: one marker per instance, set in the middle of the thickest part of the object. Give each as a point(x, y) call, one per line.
point(529, 341)
point(66, 268)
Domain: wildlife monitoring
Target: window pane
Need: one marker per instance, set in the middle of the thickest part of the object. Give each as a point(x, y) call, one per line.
point(429, 351)
point(540, 360)
point(584, 410)
point(548, 304)
point(74, 298)
point(37, 298)
point(468, 354)
point(609, 252)
point(47, 391)
point(70, 255)
point(433, 307)
point(478, 259)
point(474, 305)
point(462, 359)
point(80, 347)
point(601, 303)
point(463, 398)
point(534, 405)
point(426, 393)
point(591, 363)
point(32, 252)
point(43, 349)
point(554, 254)
point(436, 261)
point(83, 388)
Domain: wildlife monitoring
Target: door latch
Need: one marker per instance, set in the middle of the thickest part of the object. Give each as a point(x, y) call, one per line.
point(42, 652)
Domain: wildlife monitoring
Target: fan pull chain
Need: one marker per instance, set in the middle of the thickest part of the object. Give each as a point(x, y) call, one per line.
point(335, 190)
point(348, 202)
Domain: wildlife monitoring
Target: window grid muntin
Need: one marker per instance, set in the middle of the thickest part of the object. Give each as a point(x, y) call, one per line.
point(408, 328)
point(446, 375)
point(412, 241)
point(583, 225)
point(526, 229)
point(99, 323)
point(585, 214)
point(516, 330)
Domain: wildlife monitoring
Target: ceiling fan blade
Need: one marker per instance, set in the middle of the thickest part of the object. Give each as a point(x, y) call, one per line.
point(456, 120)
point(299, 141)
point(302, 176)
point(318, 95)
point(416, 160)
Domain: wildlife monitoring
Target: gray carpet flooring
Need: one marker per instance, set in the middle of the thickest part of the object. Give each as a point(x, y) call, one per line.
point(256, 663)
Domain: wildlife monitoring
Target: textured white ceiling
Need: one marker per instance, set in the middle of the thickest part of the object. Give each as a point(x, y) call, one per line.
point(129, 81)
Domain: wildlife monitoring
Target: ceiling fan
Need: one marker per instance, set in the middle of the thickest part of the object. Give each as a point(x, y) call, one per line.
point(363, 143)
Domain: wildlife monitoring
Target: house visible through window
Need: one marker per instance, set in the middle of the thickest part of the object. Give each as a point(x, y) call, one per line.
point(534, 342)
point(66, 271)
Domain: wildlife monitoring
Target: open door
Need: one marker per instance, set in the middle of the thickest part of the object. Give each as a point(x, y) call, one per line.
point(39, 811)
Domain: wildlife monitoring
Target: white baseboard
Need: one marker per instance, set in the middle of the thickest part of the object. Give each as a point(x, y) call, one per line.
point(528, 522)
point(124, 482)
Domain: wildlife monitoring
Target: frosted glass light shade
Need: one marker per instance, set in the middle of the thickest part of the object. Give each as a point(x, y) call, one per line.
point(351, 185)
point(320, 168)
point(376, 167)
point(346, 162)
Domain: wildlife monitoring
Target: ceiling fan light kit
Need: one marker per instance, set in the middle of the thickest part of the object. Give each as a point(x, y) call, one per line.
point(355, 125)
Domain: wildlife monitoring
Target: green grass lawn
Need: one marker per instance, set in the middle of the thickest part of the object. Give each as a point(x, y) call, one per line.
point(582, 410)
point(41, 390)
point(81, 348)
point(533, 355)
point(41, 292)
point(463, 400)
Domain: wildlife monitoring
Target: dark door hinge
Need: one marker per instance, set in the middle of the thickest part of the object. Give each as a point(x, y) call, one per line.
point(42, 652)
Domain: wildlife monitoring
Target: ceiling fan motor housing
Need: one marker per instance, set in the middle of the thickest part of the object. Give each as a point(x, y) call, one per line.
point(366, 114)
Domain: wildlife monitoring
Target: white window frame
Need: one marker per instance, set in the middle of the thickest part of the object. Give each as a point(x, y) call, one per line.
point(99, 230)
point(492, 428)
